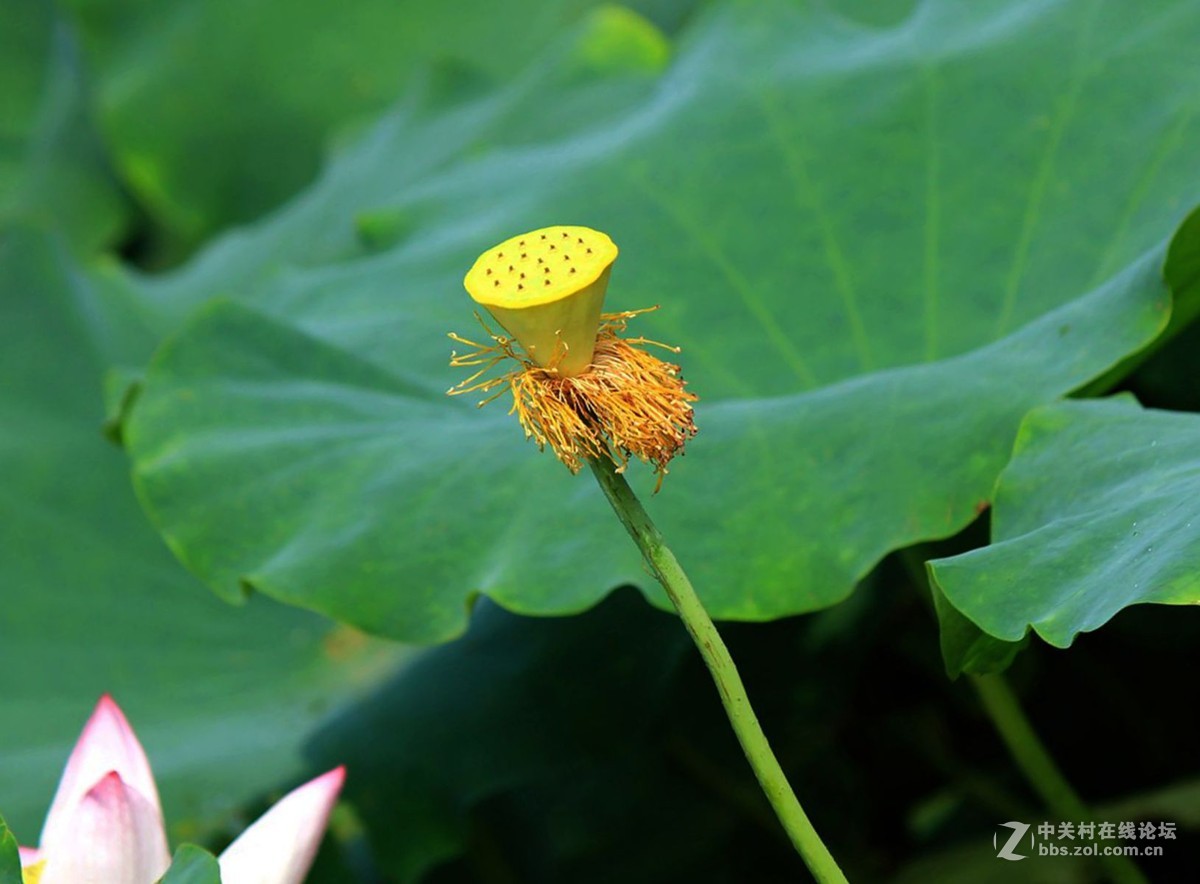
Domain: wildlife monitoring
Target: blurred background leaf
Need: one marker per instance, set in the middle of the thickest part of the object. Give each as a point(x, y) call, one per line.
point(53, 169)
point(522, 705)
point(93, 603)
point(216, 112)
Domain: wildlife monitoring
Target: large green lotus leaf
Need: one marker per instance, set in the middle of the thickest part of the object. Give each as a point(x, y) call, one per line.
point(965, 646)
point(1099, 510)
point(217, 110)
point(879, 247)
point(52, 168)
point(90, 602)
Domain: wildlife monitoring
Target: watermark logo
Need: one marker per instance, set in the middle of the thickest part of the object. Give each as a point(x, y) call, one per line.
point(1088, 838)
point(1008, 851)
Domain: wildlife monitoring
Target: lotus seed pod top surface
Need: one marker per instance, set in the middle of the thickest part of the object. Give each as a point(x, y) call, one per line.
point(540, 267)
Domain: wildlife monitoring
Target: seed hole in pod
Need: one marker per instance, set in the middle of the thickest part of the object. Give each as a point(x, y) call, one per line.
point(541, 261)
point(496, 283)
point(547, 282)
point(580, 240)
point(572, 269)
point(566, 257)
point(543, 236)
point(489, 271)
point(589, 251)
point(566, 235)
point(545, 269)
point(499, 254)
point(524, 255)
point(521, 243)
point(519, 286)
point(522, 276)
point(552, 247)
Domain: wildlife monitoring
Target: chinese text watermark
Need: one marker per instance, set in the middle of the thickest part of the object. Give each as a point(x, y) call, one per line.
point(1016, 841)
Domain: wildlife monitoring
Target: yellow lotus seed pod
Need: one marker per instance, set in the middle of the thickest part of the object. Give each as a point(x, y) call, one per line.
point(547, 288)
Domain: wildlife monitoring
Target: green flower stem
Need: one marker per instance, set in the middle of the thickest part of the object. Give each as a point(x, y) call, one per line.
point(729, 684)
point(1038, 766)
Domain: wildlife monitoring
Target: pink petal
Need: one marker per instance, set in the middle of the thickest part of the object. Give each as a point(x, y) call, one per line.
point(107, 744)
point(280, 846)
point(28, 856)
point(113, 835)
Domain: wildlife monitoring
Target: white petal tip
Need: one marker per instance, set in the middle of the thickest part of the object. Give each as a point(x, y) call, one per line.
point(280, 846)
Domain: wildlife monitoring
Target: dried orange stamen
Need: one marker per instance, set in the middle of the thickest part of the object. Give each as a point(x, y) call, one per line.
point(627, 403)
